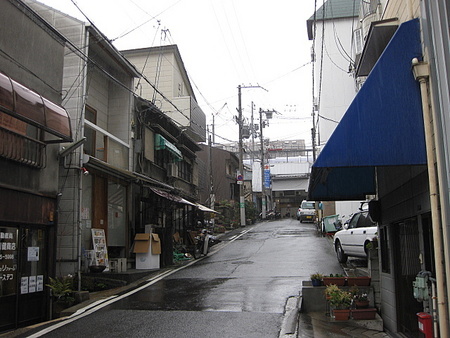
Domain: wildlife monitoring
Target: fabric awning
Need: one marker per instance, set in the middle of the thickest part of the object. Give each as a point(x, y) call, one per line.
point(382, 127)
point(171, 197)
point(162, 143)
point(24, 104)
point(205, 209)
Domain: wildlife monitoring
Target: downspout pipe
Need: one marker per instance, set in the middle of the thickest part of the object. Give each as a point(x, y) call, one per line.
point(421, 73)
point(81, 164)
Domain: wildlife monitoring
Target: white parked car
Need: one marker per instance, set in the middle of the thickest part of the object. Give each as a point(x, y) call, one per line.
point(352, 240)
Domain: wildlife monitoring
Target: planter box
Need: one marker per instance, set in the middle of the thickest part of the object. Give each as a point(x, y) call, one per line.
point(361, 304)
point(364, 313)
point(358, 281)
point(339, 281)
point(341, 314)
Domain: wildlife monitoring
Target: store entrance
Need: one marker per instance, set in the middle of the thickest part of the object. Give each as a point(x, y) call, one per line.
point(23, 262)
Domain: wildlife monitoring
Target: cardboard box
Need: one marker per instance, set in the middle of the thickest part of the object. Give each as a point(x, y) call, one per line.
point(145, 259)
point(155, 244)
point(141, 243)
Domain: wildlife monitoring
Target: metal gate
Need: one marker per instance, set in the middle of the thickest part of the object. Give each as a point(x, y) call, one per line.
point(406, 236)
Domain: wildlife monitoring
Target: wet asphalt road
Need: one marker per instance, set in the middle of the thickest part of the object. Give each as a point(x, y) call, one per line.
point(239, 290)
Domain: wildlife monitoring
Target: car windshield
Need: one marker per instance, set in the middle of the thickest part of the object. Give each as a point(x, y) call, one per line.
point(307, 205)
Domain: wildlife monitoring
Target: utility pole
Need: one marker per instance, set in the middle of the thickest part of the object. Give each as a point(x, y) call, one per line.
point(212, 196)
point(241, 154)
point(263, 192)
point(269, 114)
point(252, 131)
point(241, 162)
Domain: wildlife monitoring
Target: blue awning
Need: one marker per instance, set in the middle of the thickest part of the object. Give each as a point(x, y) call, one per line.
point(382, 127)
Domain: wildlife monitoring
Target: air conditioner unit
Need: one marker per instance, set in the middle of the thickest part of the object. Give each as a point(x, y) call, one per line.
point(172, 170)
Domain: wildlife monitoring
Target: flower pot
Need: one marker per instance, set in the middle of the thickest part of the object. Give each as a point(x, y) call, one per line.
point(364, 313)
point(358, 281)
point(316, 282)
point(339, 281)
point(341, 314)
point(361, 304)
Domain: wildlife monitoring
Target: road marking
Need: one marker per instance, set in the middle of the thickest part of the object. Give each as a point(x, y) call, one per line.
point(91, 308)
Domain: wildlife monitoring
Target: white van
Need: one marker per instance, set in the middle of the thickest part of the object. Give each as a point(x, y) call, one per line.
point(307, 211)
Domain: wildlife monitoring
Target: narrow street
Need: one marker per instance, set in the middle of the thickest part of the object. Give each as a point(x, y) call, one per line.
point(239, 290)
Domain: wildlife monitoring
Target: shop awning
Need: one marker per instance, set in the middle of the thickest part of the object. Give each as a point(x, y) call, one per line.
point(24, 104)
point(382, 127)
point(205, 209)
point(171, 197)
point(162, 143)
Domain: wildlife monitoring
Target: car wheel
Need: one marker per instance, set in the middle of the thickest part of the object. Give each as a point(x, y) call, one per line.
point(341, 256)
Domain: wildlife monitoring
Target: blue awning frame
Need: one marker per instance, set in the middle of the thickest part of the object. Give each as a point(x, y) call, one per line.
point(383, 126)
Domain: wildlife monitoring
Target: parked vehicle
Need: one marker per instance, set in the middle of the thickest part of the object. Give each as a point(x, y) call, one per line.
point(353, 239)
point(307, 211)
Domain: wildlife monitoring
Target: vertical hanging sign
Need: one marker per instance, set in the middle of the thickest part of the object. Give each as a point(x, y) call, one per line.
point(267, 179)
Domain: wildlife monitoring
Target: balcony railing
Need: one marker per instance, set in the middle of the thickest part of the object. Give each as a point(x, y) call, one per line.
point(105, 146)
point(22, 149)
point(369, 7)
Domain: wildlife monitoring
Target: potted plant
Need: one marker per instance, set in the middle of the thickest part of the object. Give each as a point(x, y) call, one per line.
point(336, 279)
point(340, 301)
point(361, 300)
point(62, 293)
point(316, 279)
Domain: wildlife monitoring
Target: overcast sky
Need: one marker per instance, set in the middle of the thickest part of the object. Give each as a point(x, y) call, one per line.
point(223, 44)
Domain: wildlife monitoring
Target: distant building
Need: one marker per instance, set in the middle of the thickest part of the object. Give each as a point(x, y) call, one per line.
point(218, 179)
point(336, 48)
point(170, 89)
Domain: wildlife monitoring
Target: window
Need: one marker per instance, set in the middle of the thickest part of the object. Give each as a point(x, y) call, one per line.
point(384, 248)
point(185, 171)
point(90, 115)
point(358, 41)
point(354, 221)
point(162, 158)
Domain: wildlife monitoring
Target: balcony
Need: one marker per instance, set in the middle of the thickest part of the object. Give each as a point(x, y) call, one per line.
point(188, 114)
point(22, 149)
point(105, 146)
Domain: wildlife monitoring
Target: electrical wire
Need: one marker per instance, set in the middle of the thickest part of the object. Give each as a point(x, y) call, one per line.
point(145, 22)
point(340, 48)
point(334, 63)
point(327, 118)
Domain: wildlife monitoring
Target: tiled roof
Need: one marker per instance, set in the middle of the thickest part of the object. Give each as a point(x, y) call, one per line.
point(334, 9)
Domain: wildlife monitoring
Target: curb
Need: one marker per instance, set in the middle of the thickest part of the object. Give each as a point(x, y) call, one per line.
point(290, 317)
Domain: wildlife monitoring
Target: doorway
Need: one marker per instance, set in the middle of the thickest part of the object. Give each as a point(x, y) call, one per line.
point(24, 260)
point(407, 265)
